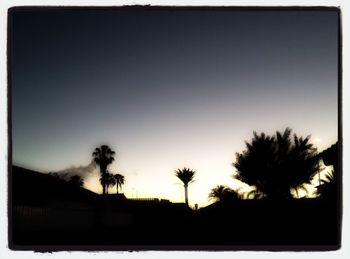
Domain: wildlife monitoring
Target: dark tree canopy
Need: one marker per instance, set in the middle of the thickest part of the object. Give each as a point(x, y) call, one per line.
point(186, 175)
point(103, 156)
point(107, 180)
point(276, 164)
point(76, 180)
point(328, 187)
point(223, 193)
point(119, 181)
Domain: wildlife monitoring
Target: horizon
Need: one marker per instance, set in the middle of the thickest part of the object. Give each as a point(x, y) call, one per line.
point(91, 176)
point(168, 90)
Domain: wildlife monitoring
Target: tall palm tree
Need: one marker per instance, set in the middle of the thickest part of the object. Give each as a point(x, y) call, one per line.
point(186, 175)
point(103, 156)
point(119, 181)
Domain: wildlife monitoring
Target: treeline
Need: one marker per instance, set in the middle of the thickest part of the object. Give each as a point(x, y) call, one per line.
point(277, 167)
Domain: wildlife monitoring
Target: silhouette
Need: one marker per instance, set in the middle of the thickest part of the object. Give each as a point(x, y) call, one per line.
point(277, 164)
point(108, 181)
point(186, 175)
point(103, 156)
point(328, 188)
point(330, 156)
point(223, 193)
point(255, 194)
point(119, 181)
point(53, 211)
point(76, 180)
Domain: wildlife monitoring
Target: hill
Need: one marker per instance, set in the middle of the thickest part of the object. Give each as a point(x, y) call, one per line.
point(38, 189)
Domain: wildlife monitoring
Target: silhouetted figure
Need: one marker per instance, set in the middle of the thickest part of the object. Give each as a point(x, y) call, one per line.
point(103, 156)
point(186, 175)
point(277, 164)
point(119, 181)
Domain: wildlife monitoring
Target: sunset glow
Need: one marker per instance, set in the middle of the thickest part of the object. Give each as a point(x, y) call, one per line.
point(168, 90)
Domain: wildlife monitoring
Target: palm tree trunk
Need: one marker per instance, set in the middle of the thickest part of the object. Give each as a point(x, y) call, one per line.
point(103, 176)
point(117, 189)
point(186, 195)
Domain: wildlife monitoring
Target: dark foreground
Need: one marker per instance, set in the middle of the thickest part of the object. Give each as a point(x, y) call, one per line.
point(55, 216)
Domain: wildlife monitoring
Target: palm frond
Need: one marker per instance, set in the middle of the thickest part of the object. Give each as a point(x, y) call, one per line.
point(186, 175)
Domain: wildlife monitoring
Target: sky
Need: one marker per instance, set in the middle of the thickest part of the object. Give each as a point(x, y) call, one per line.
point(167, 89)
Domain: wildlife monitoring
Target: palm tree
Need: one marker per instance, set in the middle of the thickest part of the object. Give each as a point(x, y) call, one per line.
point(304, 163)
point(223, 193)
point(253, 164)
point(103, 156)
point(277, 164)
point(119, 181)
point(327, 190)
point(186, 175)
point(108, 181)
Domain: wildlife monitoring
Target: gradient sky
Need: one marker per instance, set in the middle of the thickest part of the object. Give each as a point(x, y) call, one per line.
point(167, 89)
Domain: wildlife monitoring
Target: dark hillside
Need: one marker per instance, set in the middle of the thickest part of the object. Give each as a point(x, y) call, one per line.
point(39, 189)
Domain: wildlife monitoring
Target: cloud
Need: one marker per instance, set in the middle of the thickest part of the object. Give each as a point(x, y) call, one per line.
point(82, 171)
